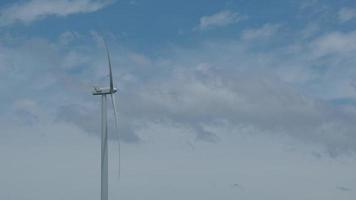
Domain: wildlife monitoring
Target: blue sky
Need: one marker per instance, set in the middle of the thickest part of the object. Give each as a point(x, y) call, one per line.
point(144, 24)
point(217, 99)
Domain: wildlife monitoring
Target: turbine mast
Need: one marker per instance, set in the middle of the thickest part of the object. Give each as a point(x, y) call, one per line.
point(103, 92)
point(104, 149)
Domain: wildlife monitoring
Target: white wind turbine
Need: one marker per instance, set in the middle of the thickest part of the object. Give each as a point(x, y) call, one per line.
point(104, 127)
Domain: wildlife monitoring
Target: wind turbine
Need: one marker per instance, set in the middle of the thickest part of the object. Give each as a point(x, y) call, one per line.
point(103, 92)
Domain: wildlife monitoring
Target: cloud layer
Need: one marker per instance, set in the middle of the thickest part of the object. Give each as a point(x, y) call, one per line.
point(222, 18)
point(215, 84)
point(231, 114)
point(33, 10)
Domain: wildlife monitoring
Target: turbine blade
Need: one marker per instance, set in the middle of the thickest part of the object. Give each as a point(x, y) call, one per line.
point(110, 70)
point(113, 100)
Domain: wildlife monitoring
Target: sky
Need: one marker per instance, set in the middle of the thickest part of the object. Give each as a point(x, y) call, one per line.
point(217, 99)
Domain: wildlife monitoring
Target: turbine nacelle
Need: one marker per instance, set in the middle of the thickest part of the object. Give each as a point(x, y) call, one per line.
point(107, 90)
point(103, 91)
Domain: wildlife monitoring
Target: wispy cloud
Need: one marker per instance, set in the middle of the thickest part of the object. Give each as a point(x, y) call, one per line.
point(262, 32)
point(222, 18)
point(33, 10)
point(335, 43)
point(344, 189)
point(346, 14)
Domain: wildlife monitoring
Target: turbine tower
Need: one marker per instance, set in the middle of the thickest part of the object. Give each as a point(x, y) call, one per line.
point(103, 92)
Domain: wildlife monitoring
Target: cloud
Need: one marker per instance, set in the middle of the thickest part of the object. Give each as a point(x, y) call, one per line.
point(33, 10)
point(68, 37)
point(199, 90)
point(222, 18)
point(335, 43)
point(216, 111)
point(308, 3)
point(344, 189)
point(346, 14)
point(264, 104)
point(87, 118)
point(64, 153)
point(265, 31)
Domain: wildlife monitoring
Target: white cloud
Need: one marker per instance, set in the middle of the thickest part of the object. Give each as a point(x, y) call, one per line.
point(222, 18)
point(220, 92)
point(139, 59)
point(29, 11)
point(335, 43)
point(346, 14)
point(256, 107)
point(308, 3)
point(216, 82)
point(310, 30)
point(63, 155)
point(265, 31)
point(68, 37)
